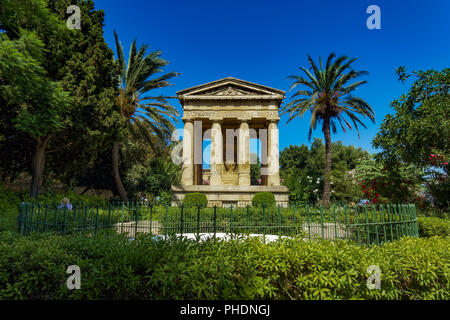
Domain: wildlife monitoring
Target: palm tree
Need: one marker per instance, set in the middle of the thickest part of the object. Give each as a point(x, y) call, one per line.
point(147, 116)
point(328, 95)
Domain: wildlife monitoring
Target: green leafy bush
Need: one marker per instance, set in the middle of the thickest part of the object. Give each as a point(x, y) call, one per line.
point(263, 199)
point(10, 204)
point(112, 267)
point(9, 210)
point(195, 199)
point(75, 199)
point(432, 226)
point(165, 198)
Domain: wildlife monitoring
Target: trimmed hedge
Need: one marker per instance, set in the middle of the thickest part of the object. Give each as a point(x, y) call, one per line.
point(266, 199)
point(432, 226)
point(114, 268)
point(195, 199)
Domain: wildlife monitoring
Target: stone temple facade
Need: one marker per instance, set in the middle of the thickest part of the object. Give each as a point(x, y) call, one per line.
point(230, 112)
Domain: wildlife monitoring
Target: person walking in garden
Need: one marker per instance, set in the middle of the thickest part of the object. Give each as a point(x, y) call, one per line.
point(65, 203)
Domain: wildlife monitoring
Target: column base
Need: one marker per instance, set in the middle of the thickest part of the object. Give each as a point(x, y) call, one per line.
point(237, 196)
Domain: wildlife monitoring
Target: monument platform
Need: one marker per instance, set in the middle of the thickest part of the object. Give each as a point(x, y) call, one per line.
point(227, 195)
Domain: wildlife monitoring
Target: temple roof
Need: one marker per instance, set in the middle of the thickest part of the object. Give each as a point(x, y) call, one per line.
point(230, 88)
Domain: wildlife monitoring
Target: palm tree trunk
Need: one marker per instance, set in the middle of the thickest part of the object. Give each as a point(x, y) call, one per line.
point(37, 166)
point(115, 164)
point(326, 184)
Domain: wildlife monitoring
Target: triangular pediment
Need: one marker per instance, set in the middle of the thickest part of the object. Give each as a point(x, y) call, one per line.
point(230, 88)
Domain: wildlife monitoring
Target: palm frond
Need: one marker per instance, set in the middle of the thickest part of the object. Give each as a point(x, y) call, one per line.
point(327, 93)
point(150, 116)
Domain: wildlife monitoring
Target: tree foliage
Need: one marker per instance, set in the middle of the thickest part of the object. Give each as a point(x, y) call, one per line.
point(418, 132)
point(303, 173)
point(81, 63)
point(420, 122)
point(146, 116)
point(379, 183)
point(328, 94)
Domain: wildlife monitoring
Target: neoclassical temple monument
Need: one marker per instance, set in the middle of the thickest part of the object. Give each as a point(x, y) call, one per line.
point(230, 112)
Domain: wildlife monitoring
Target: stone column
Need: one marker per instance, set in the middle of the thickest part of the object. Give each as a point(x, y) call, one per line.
point(187, 173)
point(216, 154)
point(198, 152)
point(244, 154)
point(262, 136)
point(273, 151)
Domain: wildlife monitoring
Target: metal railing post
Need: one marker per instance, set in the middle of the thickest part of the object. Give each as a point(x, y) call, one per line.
point(335, 225)
point(215, 221)
point(309, 222)
point(45, 218)
point(136, 221)
point(167, 221)
point(37, 218)
point(321, 222)
point(151, 219)
point(198, 222)
point(247, 218)
point(374, 208)
point(22, 217)
point(96, 219)
point(264, 219)
point(367, 225)
point(181, 221)
point(85, 217)
point(358, 237)
point(231, 219)
point(109, 216)
point(64, 220)
point(279, 221)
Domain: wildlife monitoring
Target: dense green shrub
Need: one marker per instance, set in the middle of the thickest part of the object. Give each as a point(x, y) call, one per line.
point(75, 199)
point(10, 204)
point(195, 199)
point(165, 198)
point(433, 212)
point(9, 210)
point(114, 268)
point(432, 226)
point(263, 199)
point(153, 177)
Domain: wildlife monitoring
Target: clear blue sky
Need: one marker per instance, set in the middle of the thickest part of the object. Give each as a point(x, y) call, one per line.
point(265, 41)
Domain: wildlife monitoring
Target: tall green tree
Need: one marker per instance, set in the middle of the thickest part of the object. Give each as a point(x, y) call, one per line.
point(90, 75)
point(328, 95)
point(418, 131)
point(146, 115)
point(420, 120)
point(81, 62)
point(38, 101)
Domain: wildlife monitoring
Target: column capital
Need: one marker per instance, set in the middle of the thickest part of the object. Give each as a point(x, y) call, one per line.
point(244, 124)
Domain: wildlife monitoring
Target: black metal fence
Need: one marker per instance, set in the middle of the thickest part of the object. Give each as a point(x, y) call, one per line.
point(364, 225)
